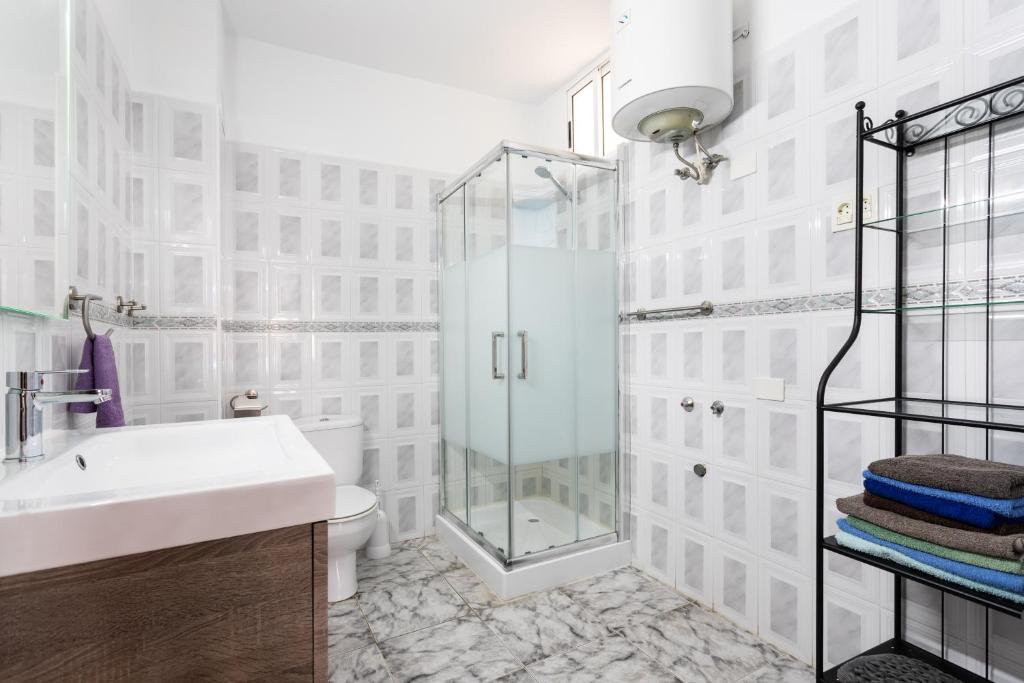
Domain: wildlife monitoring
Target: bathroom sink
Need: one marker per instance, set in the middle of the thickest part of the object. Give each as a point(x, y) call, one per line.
point(112, 492)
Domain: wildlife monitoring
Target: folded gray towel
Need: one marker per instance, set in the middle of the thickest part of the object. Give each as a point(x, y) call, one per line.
point(1008, 547)
point(955, 473)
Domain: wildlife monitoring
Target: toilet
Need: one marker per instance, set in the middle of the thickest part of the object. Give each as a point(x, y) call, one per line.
point(339, 440)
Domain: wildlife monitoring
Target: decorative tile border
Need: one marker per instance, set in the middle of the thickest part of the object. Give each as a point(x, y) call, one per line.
point(327, 326)
point(101, 313)
point(184, 322)
point(1002, 288)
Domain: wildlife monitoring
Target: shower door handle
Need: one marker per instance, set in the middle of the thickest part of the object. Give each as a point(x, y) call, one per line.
point(522, 353)
point(494, 355)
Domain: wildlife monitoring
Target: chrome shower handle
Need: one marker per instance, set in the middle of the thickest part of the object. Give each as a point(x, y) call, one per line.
point(522, 353)
point(494, 355)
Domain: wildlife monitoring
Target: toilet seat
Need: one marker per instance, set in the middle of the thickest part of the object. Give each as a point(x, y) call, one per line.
point(352, 502)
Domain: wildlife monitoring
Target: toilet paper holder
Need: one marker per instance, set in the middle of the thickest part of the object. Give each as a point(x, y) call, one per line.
point(247, 404)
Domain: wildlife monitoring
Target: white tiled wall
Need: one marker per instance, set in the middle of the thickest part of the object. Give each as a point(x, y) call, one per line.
point(742, 538)
point(329, 284)
point(28, 208)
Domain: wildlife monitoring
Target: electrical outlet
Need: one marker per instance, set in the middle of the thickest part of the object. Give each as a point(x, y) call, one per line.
point(867, 207)
point(843, 217)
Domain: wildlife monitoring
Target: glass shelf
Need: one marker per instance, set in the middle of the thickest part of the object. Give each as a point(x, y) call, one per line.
point(966, 414)
point(34, 314)
point(951, 305)
point(950, 217)
point(979, 597)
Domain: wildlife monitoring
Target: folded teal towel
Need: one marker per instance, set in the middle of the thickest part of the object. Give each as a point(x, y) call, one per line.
point(1008, 507)
point(859, 544)
point(1006, 581)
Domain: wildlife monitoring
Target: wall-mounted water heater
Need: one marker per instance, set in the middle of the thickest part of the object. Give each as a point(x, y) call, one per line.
point(672, 73)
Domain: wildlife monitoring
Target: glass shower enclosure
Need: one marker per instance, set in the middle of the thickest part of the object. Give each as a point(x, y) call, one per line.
point(529, 320)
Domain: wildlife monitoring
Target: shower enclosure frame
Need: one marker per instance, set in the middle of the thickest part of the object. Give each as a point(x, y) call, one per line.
point(502, 152)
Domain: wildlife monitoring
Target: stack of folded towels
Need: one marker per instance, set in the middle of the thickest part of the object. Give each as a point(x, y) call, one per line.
point(956, 518)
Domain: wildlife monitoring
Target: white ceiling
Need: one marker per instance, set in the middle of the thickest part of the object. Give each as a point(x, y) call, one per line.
point(514, 49)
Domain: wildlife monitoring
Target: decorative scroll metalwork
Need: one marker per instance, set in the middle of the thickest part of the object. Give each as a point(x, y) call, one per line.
point(993, 106)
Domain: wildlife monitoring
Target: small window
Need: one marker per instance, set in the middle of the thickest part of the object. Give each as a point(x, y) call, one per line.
point(590, 114)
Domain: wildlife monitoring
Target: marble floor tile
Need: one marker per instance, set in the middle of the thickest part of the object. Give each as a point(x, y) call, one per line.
point(472, 589)
point(347, 629)
point(624, 594)
point(698, 645)
point(542, 625)
point(406, 606)
point(611, 659)
point(404, 564)
point(458, 650)
point(360, 666)
point(440, 555)
point(521, 676)
point(783, 670)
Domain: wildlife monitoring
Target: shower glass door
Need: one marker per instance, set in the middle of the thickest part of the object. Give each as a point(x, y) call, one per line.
point(542, 315)
point(563, 322)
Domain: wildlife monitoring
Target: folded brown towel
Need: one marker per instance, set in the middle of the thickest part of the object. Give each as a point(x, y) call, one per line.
point(883, 503)
point(1008, 547)
point(955, 473)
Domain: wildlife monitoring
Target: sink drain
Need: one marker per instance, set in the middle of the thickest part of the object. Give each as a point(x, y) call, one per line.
point(533, 520)
point(80, 461)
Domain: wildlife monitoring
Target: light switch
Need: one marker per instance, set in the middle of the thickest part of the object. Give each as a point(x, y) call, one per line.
point(770, 388)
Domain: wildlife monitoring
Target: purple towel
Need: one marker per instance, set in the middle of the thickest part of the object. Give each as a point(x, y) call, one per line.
point(98, 359)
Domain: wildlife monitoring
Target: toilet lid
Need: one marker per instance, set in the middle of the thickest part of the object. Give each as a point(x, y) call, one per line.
point(351, 501)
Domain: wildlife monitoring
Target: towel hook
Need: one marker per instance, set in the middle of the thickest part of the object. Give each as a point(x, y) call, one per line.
point(73, 295)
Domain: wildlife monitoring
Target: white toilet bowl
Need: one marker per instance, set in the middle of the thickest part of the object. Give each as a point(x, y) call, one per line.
point(356, 513)
point(338, 439)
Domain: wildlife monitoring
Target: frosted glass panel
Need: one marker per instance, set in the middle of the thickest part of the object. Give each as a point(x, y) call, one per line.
point(453, 334)
point(487, 355)
point(596, 330)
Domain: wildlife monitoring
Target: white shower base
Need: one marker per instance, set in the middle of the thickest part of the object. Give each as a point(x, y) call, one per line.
point(553, 525)
point(533, 536)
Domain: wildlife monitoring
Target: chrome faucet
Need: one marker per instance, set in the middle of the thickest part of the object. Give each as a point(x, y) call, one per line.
point(24, 410)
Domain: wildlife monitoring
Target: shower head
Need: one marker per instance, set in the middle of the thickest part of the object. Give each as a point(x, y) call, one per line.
point(543, 172)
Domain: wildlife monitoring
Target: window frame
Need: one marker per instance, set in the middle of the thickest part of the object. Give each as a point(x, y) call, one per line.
point(600, 78)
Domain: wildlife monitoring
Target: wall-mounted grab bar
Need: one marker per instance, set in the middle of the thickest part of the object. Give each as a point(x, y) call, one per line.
point(703, 308)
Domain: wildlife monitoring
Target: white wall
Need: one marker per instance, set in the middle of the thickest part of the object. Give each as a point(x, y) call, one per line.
point(276, 96)
point(168, 48)
point(29, 52)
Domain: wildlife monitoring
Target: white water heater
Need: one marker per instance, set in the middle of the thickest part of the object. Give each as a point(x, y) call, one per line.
point(671, 67)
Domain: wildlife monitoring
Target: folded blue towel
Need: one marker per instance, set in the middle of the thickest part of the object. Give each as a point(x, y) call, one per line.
point(950, 509)
point(1013, 583)
point(1009, 507)
point(856, 543)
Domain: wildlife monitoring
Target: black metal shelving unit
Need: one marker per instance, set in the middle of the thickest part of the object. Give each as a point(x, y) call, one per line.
point(904, 135)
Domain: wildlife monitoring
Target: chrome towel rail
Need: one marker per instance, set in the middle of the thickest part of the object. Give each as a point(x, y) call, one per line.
point(703, 308)
point(74, 295)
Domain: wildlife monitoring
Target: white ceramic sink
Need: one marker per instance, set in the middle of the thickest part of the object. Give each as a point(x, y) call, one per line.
point(151, 487)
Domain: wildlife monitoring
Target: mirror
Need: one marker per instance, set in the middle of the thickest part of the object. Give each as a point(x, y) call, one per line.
point(33, 168)
point(100, 181)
